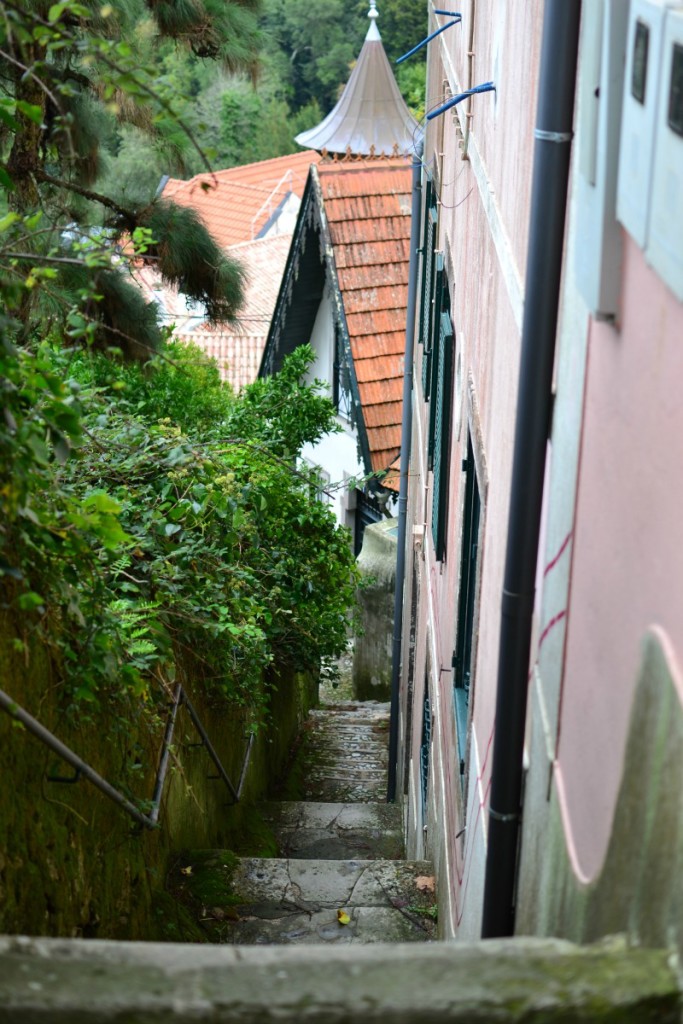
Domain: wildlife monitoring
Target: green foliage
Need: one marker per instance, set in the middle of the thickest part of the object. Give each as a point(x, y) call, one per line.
point(189, 258)
point(76, 74)
point(148, 512)
point(322, 39)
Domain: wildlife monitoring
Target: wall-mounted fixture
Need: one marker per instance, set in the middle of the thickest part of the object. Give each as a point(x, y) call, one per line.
point(456, 19)
point(601, 76)
point(664, 249)
point(484, 87)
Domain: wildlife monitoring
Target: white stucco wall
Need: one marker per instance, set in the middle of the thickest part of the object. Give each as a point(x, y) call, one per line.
point(336, 454)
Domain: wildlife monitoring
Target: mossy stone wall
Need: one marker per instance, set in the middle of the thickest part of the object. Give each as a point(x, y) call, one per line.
point(71, 862)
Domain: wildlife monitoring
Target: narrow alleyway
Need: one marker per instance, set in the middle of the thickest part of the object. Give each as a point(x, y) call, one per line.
point(339, 875)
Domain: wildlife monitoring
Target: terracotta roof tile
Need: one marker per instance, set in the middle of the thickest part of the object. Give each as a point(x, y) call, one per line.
point(354, 278)
point(380, 321)
point(370, 253)
point(383, 415)
point(368, 370)
point(382, 345)
point(237, 348)
point(368, 212)
point(358, 300)
point(236, 203)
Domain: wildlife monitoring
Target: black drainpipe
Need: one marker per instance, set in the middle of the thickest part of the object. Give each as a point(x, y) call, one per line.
point(541, 300)
point(406, 441)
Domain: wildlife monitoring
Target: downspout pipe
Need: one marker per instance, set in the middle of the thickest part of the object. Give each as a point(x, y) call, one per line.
point(549, 192)
point(406, 442)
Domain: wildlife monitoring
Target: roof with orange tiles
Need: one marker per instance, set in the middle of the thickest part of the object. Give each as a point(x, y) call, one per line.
point(368, 213)
point(237, 348)
point(366, 207)
point(236, 204)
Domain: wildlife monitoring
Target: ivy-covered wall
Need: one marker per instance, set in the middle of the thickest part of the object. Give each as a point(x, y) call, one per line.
point(71, 862)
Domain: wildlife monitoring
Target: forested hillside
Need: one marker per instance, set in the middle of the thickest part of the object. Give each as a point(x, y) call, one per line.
point(307, 50)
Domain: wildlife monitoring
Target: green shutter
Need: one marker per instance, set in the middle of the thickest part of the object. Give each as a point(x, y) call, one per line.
point(427, 251)
point(442, 304)
point(431, 345)
point(442, 428)
point(427, 290)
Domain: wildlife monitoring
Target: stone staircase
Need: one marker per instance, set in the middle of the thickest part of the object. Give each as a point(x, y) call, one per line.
point(286, 931)
point(339, 876)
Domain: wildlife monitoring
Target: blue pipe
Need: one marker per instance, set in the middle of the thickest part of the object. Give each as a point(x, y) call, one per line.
point(485, 87)
point(429, 38)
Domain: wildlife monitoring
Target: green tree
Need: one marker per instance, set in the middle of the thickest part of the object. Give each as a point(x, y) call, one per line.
point(322, 39)
point(70, 77)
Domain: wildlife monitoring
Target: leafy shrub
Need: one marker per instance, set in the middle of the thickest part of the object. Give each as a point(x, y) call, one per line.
point(148, 512)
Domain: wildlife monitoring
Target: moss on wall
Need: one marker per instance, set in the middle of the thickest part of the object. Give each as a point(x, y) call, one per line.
point(71, 862)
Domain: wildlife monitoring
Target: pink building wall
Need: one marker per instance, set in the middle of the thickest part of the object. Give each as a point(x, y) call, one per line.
point(601, 826)
point(628, 544)
point(483, 225)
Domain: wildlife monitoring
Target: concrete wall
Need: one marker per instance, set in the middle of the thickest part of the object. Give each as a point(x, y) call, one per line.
point(372, 651)
point(71, 862)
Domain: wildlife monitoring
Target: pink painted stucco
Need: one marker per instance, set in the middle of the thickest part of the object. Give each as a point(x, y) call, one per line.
point(483, 227)
point(628, 545)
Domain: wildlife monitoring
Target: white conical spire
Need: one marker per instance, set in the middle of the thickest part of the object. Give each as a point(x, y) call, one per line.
point(371, 118)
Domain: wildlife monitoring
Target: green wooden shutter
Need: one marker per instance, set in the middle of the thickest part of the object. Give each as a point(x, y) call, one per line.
point(427, 293)
point(469, 556)
point(442, 429)
point(432, 342)
point(442, 304)
point(427, 251)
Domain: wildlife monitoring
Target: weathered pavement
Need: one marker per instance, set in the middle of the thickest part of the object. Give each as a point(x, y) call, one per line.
point(339, 876)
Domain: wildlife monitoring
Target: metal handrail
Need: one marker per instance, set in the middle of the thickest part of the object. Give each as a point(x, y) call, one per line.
point(83, 770)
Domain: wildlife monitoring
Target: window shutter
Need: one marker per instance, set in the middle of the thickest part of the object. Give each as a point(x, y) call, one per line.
point(442, 423)
point(431, 345)
point(442, 305)
point(428, 255)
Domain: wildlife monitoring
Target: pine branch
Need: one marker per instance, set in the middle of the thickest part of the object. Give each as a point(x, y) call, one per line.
point(114, 66)
point(34, 257)
point(94, 197)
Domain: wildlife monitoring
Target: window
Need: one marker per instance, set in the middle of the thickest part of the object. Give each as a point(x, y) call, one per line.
point(641, 43)
point(675, 115)
point(341, 379)
point(469, 558)
point(440, 435)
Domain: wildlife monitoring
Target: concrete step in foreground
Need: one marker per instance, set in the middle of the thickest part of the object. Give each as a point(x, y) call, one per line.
point(280, 901)
point(336, 831)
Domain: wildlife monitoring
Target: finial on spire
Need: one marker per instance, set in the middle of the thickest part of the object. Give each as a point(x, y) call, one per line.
point(373, 35)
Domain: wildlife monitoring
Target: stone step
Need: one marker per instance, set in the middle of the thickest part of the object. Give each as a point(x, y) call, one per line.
point(336, 831)
point(332, 788)
point(344, 754)
point(539, 981)
point(253, 901)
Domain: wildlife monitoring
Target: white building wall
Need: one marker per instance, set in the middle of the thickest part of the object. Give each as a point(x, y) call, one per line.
point(337, 454)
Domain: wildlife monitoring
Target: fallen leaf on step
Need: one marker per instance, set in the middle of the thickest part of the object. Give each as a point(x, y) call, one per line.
point(187, 870)
point(425, 883)
point(343, 917)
